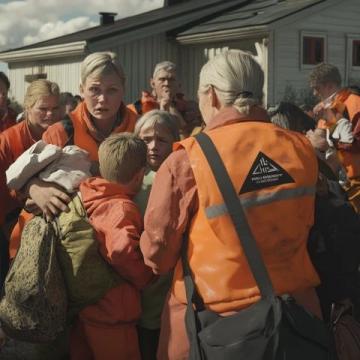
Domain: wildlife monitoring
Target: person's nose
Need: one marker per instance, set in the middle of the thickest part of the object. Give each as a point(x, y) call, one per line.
point(50, 113)
point(101, 98)
point(152, 145)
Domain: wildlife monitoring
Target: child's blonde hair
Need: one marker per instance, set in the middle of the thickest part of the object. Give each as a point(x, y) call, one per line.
point(121, 157)
point(163, 118)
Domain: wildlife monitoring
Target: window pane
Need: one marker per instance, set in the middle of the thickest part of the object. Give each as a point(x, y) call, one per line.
point(313, 50)
point(319, 50)
point(356, 53)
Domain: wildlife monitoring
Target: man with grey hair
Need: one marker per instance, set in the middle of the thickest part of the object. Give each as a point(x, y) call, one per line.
point(164, 85)
point(339, 120)
point(165, 95)
point(325, 82)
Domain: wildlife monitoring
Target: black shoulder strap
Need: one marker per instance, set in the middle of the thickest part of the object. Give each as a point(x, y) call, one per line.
point(69, 128)
point(138, 106)
point(326, 170)
point(237, 215)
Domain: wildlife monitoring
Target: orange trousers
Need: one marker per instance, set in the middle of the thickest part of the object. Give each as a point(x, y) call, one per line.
point(101, 342)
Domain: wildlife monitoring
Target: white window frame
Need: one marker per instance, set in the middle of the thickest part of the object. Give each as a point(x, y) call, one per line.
point(315, 34)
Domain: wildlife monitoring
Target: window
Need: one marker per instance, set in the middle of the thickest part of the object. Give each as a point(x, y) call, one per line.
point(313, 50)
point(352, 73)
point(356, 53)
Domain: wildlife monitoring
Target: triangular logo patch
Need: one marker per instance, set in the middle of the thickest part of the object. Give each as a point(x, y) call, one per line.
point(264, 173)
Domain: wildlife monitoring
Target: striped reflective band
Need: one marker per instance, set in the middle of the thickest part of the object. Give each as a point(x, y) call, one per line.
point(257, 200)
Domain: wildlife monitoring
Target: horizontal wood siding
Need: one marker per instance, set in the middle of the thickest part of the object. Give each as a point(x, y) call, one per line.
point(335, 22)
point(139, 58)
point(192, 58)
point(65, 72)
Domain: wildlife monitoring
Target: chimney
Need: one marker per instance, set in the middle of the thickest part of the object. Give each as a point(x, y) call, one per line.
point(107, 18)
point(168, 3)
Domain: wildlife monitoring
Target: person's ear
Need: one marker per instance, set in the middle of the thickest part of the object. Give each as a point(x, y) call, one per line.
point(152, 83)
point(214, 100)
point(81, 89)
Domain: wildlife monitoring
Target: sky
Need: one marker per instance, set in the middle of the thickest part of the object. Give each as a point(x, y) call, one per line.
point(29, 21)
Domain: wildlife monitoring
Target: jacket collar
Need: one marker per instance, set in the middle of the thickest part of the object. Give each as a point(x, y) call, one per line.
point(96, 133)
point(229, 115)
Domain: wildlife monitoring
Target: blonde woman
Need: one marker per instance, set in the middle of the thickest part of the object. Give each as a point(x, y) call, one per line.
point(41, 105)
point(185, 199)
point(101, 113)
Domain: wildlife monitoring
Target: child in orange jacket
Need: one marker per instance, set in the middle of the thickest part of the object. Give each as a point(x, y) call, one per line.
point(107, 330)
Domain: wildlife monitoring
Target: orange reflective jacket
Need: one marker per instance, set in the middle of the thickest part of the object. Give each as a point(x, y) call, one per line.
point(145, 104)
point(350, 158)
point(83, 138)
point(13, 142)
point(352, 103)
point(349, 155)
point(275, 173)
point(84, 129)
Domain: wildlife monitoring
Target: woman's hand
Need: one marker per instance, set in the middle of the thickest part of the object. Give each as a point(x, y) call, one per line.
point(50, 198)
point(31, 207)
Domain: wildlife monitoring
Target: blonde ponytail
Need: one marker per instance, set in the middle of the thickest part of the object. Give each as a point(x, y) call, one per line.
point(237, 79)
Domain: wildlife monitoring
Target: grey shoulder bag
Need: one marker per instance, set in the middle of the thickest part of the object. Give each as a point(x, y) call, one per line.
point(274, 328)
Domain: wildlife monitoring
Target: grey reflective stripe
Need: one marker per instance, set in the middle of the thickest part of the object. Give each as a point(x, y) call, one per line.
point(219, 210)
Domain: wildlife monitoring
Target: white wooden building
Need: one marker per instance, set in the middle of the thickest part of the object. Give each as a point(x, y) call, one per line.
point(289, 36)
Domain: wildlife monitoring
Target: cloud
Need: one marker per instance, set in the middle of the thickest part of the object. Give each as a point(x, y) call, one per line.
point(28, 21)
point(58, 28)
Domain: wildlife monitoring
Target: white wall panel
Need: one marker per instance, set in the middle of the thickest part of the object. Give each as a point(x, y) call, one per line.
point(335, 22)
point(65, 72)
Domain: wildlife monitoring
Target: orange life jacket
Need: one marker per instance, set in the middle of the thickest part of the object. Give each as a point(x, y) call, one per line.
point(350, 159)
point(83, 138)
point(344, 102)
point(145, 104)
point(275, 173)
point(148, 102)
point(18, 139)
point(352, 103)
